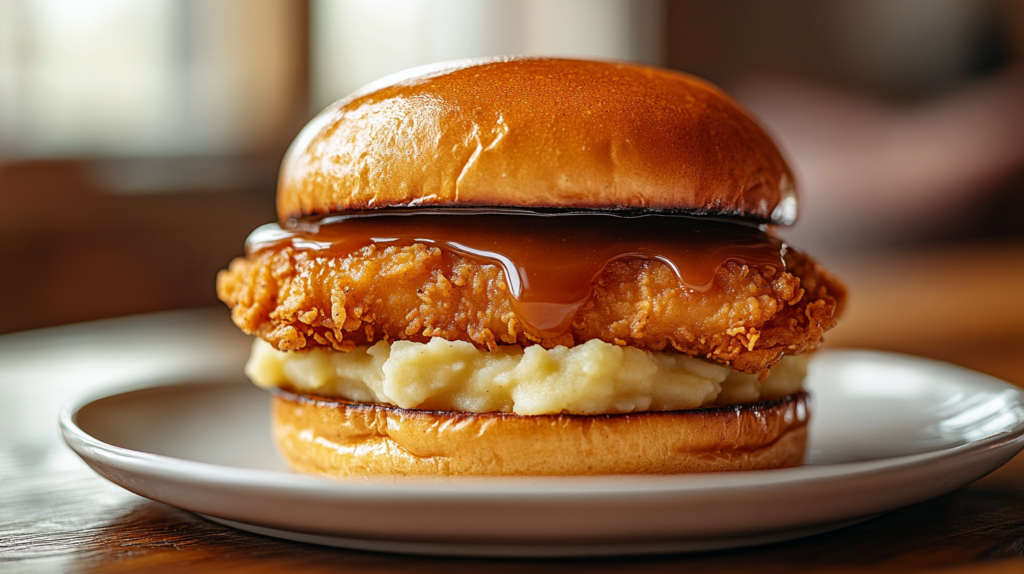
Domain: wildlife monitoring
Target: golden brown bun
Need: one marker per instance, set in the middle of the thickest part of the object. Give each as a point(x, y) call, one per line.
point(537, 133)
point(337, 438)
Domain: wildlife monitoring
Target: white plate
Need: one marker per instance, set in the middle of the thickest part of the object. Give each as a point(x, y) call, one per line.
point(887, 431)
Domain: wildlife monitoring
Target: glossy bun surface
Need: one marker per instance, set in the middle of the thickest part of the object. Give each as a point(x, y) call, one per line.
point(538, 133)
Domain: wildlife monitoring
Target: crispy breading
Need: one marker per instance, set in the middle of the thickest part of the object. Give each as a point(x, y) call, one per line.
point(749, 319)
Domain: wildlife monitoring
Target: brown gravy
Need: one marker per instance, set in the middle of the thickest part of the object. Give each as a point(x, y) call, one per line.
point(550, 260)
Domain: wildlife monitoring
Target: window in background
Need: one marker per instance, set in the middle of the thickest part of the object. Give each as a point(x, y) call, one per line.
point(355, 42)
point(88, 78)
point(139, 144)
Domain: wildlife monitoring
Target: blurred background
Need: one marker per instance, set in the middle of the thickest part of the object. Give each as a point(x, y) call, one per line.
point(140, 139)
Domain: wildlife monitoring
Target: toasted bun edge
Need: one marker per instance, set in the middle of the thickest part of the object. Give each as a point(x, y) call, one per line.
point(337, 438)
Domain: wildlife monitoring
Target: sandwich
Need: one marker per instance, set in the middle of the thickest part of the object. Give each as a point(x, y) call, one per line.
point(533, 266)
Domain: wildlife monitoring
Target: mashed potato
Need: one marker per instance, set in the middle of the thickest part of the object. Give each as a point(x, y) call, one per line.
point(595, 377)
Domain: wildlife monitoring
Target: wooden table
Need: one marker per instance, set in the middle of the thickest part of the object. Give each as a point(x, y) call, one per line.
point(56, 515)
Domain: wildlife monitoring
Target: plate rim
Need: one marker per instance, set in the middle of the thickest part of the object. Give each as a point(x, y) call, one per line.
point(509, 488)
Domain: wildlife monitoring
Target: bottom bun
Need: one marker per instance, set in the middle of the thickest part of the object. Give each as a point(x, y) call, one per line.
point(338, 438)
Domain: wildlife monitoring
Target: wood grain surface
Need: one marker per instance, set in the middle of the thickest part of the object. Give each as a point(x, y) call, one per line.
point(56, 515)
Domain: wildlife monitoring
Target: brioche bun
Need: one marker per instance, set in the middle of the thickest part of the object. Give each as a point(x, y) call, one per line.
point(541, 134)
point(338, 438)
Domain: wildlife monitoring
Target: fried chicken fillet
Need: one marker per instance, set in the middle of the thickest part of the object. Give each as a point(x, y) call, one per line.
point(749, 319)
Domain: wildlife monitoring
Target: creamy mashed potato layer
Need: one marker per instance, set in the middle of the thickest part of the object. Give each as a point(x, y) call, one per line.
point(592, 378)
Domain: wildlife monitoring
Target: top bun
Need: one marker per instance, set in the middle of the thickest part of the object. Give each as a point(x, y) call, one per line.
point(537, 133)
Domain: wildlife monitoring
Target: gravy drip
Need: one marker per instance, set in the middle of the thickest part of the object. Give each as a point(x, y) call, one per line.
point(550, 261)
